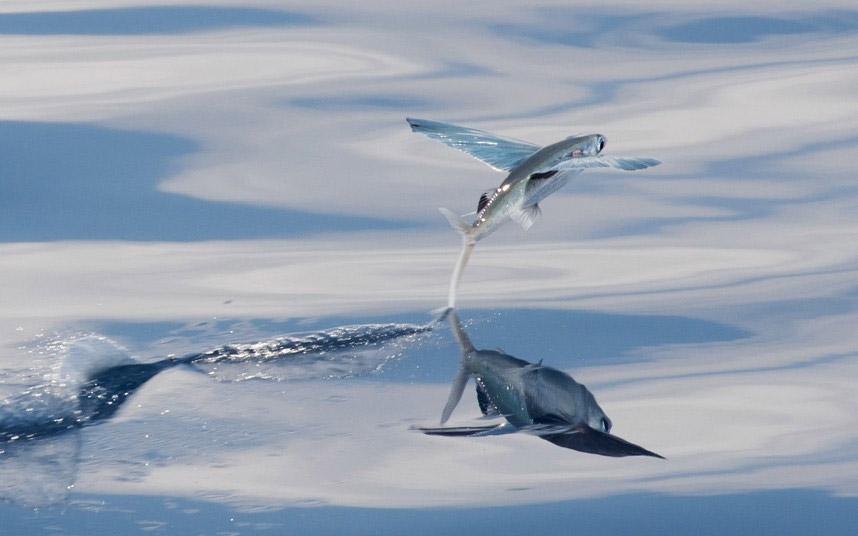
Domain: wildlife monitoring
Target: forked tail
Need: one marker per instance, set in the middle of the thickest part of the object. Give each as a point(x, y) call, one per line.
point(463, 373)
point(468, 242)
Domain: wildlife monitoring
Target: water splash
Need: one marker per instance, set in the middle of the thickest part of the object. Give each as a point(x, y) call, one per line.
point(92, 376)
point(85, 379)
point(53, 405)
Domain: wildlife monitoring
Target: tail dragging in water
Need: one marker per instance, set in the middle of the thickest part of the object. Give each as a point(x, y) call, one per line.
point(534, 173)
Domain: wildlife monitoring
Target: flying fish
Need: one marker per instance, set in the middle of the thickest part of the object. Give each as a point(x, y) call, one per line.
point(534, 173)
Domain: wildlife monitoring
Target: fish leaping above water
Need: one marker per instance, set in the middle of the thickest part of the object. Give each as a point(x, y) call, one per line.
point(533, 398)
point(534, 173)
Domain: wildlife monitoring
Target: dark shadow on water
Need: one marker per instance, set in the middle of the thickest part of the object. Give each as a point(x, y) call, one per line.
point(146, 20)
point(85, 182)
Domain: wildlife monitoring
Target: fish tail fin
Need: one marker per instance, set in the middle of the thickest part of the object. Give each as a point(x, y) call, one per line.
point(460, 334)
point(457, 273)
point(459, 225)
point(468, 242)
point(462, 375)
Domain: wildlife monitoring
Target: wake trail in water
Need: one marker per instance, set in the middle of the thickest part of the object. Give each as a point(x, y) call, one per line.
point(336, 353)
point(92, 376)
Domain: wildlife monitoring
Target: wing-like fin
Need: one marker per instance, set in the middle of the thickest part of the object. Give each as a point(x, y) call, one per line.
point(526, 216)
point(462, 431)
point(500, 153)
point(626, 163)
point(631, 163)
point(586, 439)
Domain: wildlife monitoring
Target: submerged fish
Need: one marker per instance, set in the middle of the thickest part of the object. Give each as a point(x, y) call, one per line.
point(533, 398)
point(534, 173)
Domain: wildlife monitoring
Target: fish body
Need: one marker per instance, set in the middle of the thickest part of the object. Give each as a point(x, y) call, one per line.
point(533, 398)
point(518, 196)
point(534, 173)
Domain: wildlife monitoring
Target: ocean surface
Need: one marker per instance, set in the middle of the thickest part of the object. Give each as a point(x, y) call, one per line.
point(221, 265)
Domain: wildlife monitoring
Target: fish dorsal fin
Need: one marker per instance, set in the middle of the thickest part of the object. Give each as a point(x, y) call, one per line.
point(526, 216)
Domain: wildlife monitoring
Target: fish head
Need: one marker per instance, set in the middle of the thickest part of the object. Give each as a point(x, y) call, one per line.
point(554, 394)
point(594, 415)
point(573, 147)
point(586, 145)
point(599, 421)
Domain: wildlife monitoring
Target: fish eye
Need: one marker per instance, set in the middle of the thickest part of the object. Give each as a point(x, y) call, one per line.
point(606, 425)
point(602, 142)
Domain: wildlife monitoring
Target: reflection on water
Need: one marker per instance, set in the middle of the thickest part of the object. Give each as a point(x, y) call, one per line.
point(709, 303)
point(93, 378)
point(533, 398)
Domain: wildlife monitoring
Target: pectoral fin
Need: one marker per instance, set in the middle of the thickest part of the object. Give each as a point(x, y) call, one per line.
point(526, 216)
point(466, 431)
point(626, 163)
point(586, 439)
point(499, 152)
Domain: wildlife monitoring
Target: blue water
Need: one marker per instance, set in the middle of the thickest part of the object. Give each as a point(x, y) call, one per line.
point(572, 27)
point(769, 513)
point(85, 182)
point(738, 365)
point(732, 30)
point(146, 20)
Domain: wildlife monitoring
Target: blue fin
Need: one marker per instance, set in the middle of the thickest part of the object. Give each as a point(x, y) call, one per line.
point(500, 153)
